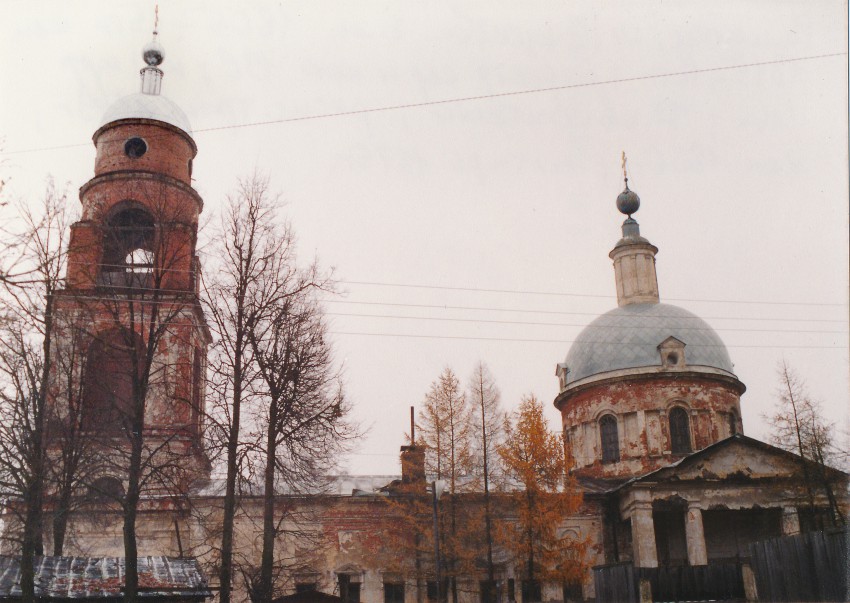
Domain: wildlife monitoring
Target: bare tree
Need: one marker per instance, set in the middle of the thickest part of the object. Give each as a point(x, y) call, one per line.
point(798, 426)
point(33, 263)
point(248, 245)
point(278, 415)
point(305, 424)
point(72, 445)
point(22, 462)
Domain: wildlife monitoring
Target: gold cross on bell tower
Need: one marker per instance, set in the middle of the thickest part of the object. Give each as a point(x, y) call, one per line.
point(625, 175)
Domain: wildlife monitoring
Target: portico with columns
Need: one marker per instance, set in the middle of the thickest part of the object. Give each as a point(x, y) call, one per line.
point(713, 503)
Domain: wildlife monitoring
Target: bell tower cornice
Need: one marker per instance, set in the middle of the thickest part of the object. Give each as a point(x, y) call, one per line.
point(128, 176)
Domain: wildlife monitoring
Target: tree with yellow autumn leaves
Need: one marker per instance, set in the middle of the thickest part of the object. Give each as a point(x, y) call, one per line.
point(536, 460)
point(534, 495)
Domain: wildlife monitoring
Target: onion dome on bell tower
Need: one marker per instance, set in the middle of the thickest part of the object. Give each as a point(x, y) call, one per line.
point(148, 102)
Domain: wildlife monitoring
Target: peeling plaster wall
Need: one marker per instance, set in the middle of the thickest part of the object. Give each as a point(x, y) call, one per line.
point(641, 407)
point(347, 535)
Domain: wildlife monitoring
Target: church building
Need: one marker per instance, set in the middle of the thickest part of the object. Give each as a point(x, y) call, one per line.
point(651, 408)
point(649, 401)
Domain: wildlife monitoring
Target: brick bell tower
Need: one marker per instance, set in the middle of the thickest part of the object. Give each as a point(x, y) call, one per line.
point(130, 304)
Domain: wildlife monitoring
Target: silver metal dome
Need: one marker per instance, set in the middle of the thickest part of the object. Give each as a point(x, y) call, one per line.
point(147, 106)
point(628, 337)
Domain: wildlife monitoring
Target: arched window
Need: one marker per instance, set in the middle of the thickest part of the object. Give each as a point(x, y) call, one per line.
point(128, 244)
point(197, 410)
point(610, 439)
point(733, 423)
point(108, 381)
point(680, 431)
point(106, 489)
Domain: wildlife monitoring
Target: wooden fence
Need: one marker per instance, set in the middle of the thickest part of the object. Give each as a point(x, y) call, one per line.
point(805, 567)
point(713, 582)
point(616, 583)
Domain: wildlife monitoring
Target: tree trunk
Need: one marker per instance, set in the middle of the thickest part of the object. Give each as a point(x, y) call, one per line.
point(28, 552)
point(530, 534)
point(60, 523)
point(491, 573)
point(226, 569)
point(134, 476)
point(267, 560)
point(33, 544)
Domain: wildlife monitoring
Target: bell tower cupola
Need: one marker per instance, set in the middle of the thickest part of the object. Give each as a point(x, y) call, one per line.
point(141, 194)
point(633, 255)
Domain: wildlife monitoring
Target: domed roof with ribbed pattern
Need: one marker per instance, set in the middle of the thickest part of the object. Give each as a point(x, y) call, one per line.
point(628, 337)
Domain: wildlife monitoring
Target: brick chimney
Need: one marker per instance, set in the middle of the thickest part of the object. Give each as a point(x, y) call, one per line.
point(413, 464)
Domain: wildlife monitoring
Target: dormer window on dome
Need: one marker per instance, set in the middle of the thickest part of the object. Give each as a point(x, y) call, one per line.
point(562, 371)
point(672, 352)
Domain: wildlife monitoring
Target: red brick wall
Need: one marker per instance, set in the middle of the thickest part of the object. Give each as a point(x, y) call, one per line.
point(169, 152)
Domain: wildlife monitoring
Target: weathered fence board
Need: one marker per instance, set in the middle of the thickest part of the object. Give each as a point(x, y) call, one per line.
point(804, 567)
point(616, 583)
point(712, 582)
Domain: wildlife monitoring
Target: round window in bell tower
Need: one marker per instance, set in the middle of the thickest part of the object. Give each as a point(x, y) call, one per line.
point(135, 148)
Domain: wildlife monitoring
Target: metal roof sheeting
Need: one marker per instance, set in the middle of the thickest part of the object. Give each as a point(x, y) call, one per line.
point(147, 106)
point(103, 577)
point(628, 337)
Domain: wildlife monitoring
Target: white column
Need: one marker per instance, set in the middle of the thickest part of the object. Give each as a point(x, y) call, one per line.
point(695, 535)
point(643, 535)
point(790, 521)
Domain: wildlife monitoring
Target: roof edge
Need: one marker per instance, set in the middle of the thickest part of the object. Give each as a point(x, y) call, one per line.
point(644, 373)
point(738, 437)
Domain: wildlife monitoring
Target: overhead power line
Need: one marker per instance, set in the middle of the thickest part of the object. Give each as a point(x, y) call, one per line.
point(563, 294)
point(464, 99)
point(560, 312)
point(564, 341)
point(565, 324)
point(192, 302)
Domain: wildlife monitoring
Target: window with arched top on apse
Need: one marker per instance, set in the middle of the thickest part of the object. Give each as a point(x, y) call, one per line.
point(680, 431)
point(610, 439)
point(108, 381)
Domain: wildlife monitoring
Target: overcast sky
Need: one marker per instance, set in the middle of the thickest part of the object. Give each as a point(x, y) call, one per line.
point(501, 205)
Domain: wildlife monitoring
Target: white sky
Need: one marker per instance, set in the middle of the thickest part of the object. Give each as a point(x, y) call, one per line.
point(743, 173)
